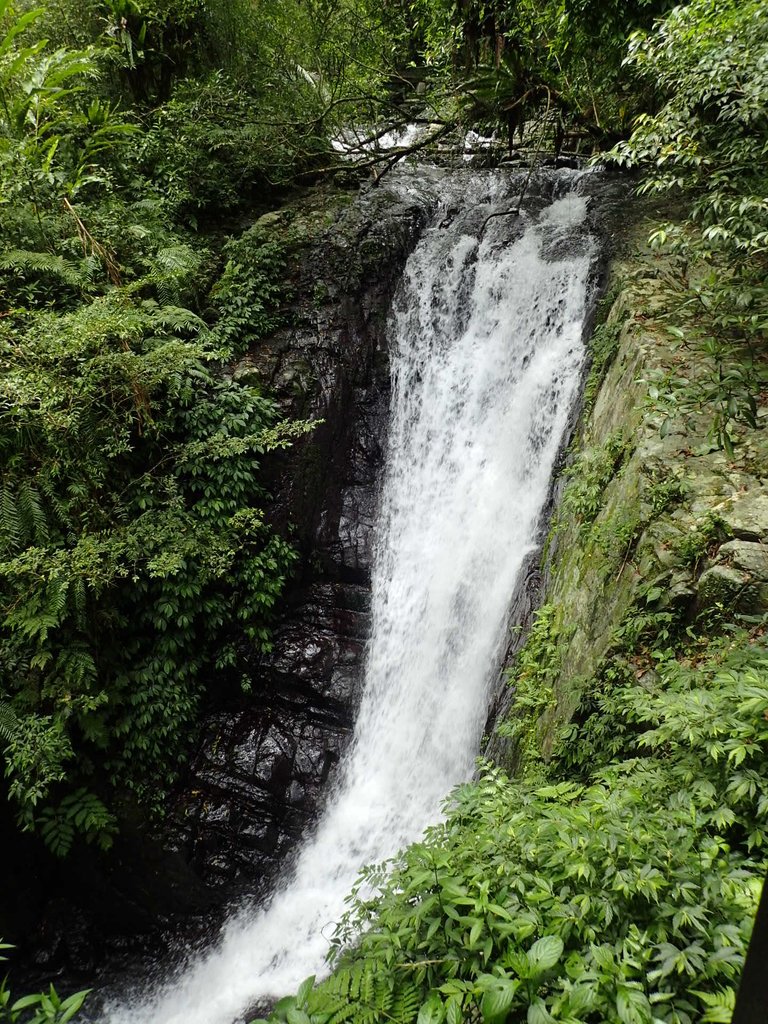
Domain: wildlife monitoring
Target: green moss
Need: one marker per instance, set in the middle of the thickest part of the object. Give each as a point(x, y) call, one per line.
point(537, 666)
point(603, 348)
point(588, 477)
point(615, 535)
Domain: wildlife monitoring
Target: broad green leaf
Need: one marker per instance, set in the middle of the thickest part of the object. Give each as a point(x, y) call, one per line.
point(453, 1014)
point(304, 989)
point(282, 1006)
point(26, 1001)
point(633, 1006)
point(432, 1010)
point(72, 1005)
point(539, 1014)
point(545, 953)
point(498, 999)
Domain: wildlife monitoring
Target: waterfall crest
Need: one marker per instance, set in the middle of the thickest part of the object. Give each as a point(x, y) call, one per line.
point(486, 354)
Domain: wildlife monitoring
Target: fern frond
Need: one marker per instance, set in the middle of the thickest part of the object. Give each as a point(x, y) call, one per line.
point(347, 1011)
point(382, 996)
point(177, 260)
point(58, 510)
point(32, 515)
point(406, 1003)
point(356, 993)
point(177, 318)
point(8, 722)
point(10, 522)
point(81, 812)
point(172, 272)
point(79, 602)
point(76, 668)
point(367, 987)
point(26, 261)
point(58, 832)
point(56, 599)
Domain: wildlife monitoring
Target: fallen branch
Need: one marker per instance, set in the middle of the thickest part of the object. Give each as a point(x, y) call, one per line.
point(387, 156)
point(516, 212)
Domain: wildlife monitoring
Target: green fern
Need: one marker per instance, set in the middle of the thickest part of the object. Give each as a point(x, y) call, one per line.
point(79, 600)
point(23, 521)
point(406, 1002)
point(58, 511)
point(81, 812)
point(720, 1006)
point(24, 261)
point(32, 515)
point(343, 1011)
point(8, 722)
point(10, 522)
point(363, 994)
point(178, 319)
point(172, 272)
point(75, 669)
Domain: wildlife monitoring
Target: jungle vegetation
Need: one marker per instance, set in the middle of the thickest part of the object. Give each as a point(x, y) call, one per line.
point(137, 139)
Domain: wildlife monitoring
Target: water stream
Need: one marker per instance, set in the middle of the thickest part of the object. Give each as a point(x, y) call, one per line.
point(486, 354)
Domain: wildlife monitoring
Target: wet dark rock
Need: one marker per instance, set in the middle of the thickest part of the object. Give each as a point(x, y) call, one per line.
point(257, 779)
point(737, 577)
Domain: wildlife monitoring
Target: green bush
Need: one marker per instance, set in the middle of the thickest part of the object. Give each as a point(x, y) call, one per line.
point(136, 560)
point(39, 1007)
point(708, 61)
point(624, 897)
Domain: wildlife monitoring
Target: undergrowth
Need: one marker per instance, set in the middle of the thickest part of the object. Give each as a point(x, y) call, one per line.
point(618, 887)
point(137, 565)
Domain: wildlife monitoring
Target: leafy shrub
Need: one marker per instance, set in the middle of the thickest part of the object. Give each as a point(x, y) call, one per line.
point(210, 148)
point(536, 668)
point(708, 62)
point(624, 897)
point(248, 293)
point(136, 561)
point(39, 1007)
point(141, 554)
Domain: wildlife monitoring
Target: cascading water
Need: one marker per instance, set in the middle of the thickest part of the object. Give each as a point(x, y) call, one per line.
point(486, 354)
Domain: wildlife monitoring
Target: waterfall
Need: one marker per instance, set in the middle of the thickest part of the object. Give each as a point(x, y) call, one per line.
point(486, 354)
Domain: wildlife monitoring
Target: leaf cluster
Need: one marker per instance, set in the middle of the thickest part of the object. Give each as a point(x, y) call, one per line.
point(706, 139)
point(137, 567)
point(38, 1007)
point(624, 897)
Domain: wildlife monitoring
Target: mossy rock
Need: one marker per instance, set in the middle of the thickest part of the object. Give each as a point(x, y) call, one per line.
point(746, 517)
point(724, 589)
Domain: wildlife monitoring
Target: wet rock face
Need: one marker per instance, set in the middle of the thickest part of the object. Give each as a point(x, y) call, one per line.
point(258, 776)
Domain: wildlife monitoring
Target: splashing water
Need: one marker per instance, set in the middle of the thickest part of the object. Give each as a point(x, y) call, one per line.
point(486, 353)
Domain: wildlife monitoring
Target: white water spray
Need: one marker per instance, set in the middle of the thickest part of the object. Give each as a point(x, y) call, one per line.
point(486, 354)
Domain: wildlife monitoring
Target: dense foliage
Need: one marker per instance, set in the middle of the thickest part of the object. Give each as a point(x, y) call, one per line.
point(556, 65)
point(617, 886)
point(707, 142)
point(136, 558)
point(39, 1007)
point(135, 554)
point(238, 100)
